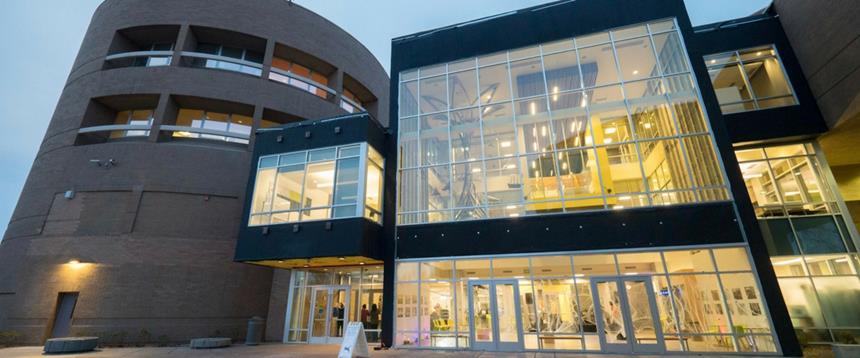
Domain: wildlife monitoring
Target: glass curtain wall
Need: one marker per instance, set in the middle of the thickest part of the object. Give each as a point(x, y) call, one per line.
point(610, 120)
point(750, 79)
point(319, 184)
point(708, 299)
point(214, 121)
point(811, 243)
point(365, 289)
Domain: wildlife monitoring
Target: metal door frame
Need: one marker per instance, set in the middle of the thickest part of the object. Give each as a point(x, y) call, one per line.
point(329, 320)
point(496, 345)
point(631, 346)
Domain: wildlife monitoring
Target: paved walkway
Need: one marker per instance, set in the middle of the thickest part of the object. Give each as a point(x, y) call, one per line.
point(281, 351)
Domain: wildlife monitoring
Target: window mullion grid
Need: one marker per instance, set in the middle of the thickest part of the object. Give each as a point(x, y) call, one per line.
point(484, 204)
point(554, 155)
point(534, 306)
point(578, 312)
point(784, 72)
point(447, 112)
point(515, 140)
point(363, 163)
point(694, 186)
point(677, 322)
point(635, 138)
point(590, 124)
point(725, 301)
point(746, 79)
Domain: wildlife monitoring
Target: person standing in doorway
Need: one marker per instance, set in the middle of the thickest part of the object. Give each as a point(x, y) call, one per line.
point(340, 312)
point(374, 322)
point(364, 314)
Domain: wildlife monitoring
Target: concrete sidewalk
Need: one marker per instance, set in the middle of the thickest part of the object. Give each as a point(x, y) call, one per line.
point(285, 351)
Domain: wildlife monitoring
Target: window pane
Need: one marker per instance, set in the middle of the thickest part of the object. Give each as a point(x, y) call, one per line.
point(495, 84)
point(651, 118)
point(437, 182)
point(510, 268)
point(463, 88)
point(533, 127)
point(409, 98)
point(579, 177)
point(437, 270)
point(700, 305)
point(466, 135)
point(562, 72)
point(592, 39)
point(527, 78)
point(468, 186)
point(637, 59)
point(800, 299)
point(664, 165)
point(407, 310)
point(685, 261)
point(556, 307)
point(729, 84)
point(434, 139)
point(747, 309)
point(322, 154)
point(434, 94)
point(346, 184)
point(703, 161)
point(410, 200)
point(818, 235)
point(263, 185)
point(499, 138)
point(288, 189)
point(503, 181)
point(839, 297)
point(778, 237)
point(622, 169)
point(407, 271)
point(373, 188)
point(767, 78)
point(472, 269)
point(640, 263)
point(598, 65)
point(672, 57)
point(732, 259)
point(570, 122)
point(689, 114)
point(551, 266)
point(540, 180)
point(319, 183)
point(760, 186)
point(437, 314)
point(594, 265)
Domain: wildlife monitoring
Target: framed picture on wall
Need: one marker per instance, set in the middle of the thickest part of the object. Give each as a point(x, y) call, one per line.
point(750, 291)
point(718, 308)
point(755, 309)
point(743, 309)
point(715, 295)
point(736, 293)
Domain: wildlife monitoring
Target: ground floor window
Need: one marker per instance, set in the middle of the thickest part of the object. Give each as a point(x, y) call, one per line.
point(322, 301)
point(702, 299)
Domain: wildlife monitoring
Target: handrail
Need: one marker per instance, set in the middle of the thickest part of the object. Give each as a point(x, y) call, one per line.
point(118, 56)
point(304, 79)
point(115, 127)
point(209, 56)
point(352, 103)
point(171, 128)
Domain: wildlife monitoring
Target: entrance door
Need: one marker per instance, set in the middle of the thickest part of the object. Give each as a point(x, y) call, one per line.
point(494, 315)
point(330, 310)
point(627, 316)
point(66, 302)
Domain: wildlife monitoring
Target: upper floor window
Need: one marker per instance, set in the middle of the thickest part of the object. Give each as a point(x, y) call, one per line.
point(154, 60)
point(799, 212)
point(141, 118)
point(610, 120)
point(319, 184)
point(192, 123)
point(350, 102)
point(750, 79)
point(249, 62)
point(299, 76)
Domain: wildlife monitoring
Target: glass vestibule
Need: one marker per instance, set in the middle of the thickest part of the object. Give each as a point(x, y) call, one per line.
point(322, 302)
point(699, 300)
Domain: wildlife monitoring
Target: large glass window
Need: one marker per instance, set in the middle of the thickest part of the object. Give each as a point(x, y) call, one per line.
point(750, 79)
point(319, 184)
point(707, 299)
point(605, 121)
point(234, 59)
point(810, 241)
point(299, 76)
point(213, 125)
point(139, 117)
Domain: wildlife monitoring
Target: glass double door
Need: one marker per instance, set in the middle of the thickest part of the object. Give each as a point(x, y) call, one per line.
point(495, 316)
point(327, 321)
point(627, 316)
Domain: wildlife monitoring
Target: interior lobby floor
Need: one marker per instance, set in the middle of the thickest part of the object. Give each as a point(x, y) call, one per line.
point(288, 351)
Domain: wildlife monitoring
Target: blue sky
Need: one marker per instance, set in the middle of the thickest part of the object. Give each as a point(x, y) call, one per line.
point(40, 39)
